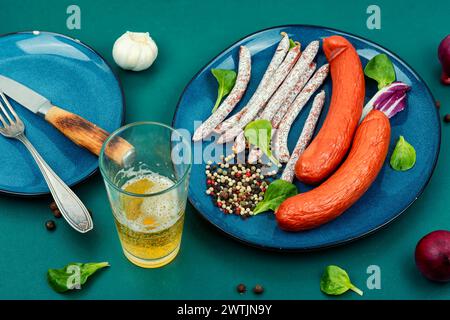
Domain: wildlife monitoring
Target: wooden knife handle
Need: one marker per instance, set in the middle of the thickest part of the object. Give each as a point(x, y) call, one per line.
point(88, 135)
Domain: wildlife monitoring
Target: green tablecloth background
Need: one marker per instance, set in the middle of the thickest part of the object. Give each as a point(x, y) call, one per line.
point(210, 265)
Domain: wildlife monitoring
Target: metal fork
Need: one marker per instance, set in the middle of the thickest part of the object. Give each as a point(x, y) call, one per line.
point(71, 207)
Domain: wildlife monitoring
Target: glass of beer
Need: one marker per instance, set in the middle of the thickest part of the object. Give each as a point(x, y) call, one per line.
point(147, 188)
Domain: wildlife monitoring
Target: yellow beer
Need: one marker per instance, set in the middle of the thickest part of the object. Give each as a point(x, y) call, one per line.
point(147, 184)
point(150, 227)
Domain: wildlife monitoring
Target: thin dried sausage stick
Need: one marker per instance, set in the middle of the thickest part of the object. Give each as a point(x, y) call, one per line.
point(243, 77)
point(228, 123)
point(255, 153)
point(305, 136)
point(277, 60)
point(258, 101)
point(292, 95)
point(291, 80)
point(280, 148)
point(239, 143)
point(278, 57)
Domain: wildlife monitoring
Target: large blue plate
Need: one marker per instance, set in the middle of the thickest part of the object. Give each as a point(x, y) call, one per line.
point(390, 195)
point(74, 77)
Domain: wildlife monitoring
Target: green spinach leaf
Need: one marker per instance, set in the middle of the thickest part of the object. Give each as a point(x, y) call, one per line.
point(277, 191)
point(335, 281)
point(291, 44)
point(73, 275)
point(381, 69)
point(404, 156)
point(226, 80)
point(259, 134)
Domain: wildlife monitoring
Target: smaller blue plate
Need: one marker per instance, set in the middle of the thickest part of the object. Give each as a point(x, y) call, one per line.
point(390, 195)
point(72, 76)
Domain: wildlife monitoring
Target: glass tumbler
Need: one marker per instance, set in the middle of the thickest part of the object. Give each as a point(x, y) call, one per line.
point(147, 190)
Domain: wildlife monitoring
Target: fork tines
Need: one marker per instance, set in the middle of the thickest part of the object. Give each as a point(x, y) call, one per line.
point(5, 112)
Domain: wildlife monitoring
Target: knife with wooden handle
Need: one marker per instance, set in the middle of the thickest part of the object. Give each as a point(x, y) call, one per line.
point(79, 130)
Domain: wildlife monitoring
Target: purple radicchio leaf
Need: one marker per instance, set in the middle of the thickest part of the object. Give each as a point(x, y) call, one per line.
point(390, 100)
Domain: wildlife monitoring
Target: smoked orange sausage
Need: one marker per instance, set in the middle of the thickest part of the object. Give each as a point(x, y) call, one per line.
point(331, 144)
point(329, 200)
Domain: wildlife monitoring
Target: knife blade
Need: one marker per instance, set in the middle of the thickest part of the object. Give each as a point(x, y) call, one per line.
point(28, 98)
point(79, 130)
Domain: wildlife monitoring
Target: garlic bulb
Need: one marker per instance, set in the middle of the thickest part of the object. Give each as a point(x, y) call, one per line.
point(135, 51)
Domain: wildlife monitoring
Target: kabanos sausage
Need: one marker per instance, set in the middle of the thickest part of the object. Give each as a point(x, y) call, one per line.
point(243, 77)
point(331, 144)
point(258, 101)
point(277, 59)
point(305, 136)
point(301, 67)
point(280, 139)
point(329, 200)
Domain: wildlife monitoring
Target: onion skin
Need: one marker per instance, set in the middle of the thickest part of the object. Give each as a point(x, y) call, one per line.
point(433, 256)
point(444, 58)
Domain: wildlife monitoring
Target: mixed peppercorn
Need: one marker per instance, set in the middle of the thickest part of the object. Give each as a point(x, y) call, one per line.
point(257, 289)
point(50, 225)
point(447, 118)
point(235, 187)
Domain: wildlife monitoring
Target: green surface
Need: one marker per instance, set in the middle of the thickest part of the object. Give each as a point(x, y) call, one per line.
point(189, 34)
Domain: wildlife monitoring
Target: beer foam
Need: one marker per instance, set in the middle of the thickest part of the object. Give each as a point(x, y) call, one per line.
point(158, 212)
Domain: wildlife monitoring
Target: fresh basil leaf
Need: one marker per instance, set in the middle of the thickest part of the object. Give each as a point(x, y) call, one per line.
point(404, 156)
point(291, 44)
point(72, 275)
point(335, 281)
point(277, 191)
point(259, 134)
point(226, 80)
point(381, 69)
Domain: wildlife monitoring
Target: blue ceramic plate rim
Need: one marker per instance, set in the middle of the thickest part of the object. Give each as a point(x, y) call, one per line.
point(122, 121)
point(339, 242)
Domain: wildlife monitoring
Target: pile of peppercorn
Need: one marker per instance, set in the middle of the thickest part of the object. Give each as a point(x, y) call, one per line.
point(235, 187)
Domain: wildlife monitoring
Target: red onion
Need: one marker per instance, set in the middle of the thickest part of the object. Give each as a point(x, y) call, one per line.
point(444, 58)
point(433, 256)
